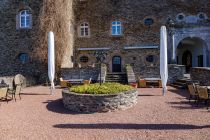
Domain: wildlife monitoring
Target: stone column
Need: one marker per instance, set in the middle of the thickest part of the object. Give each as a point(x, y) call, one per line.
point(204, 57)
point(173, 49)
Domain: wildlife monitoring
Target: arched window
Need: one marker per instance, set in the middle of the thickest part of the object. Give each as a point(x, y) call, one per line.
point(24, 19)
point(84, 29)
point(23, 57)
point(116, 28)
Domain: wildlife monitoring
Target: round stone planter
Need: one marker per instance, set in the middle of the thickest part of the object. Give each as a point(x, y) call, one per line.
point(88, 103)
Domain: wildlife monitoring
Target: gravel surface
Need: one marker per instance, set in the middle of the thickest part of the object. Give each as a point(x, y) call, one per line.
point(40, 116)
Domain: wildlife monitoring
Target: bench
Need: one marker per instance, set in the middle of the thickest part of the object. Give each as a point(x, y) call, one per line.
point(150, 82)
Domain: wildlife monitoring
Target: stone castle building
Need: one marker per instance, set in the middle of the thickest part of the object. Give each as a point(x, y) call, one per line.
point(127, 30)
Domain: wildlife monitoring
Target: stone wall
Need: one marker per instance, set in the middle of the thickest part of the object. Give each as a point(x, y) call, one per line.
point(14, 41)
point(100, 14)
point(130, 74)
point(175, 72)
point(201, 74)
point(86, 103)
point(80, 73)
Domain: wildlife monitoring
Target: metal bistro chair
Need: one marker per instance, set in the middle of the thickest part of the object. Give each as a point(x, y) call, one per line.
point(203, 95)
point(193, 92)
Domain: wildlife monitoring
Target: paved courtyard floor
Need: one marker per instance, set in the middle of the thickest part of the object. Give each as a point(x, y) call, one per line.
point(40, 116)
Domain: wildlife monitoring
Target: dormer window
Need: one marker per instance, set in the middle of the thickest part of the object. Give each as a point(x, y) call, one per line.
point(84, 30)
point(116, 28)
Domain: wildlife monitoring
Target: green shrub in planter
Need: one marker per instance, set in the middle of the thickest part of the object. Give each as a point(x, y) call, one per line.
point(105, 88)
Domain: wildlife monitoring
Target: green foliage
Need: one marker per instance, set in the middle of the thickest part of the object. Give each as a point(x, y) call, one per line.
point(105, 88)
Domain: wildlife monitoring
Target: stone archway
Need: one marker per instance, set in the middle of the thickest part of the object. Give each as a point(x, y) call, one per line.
point(177, 35)
point(191, 52)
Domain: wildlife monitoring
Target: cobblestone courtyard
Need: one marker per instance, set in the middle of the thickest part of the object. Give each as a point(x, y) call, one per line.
point(42, 116)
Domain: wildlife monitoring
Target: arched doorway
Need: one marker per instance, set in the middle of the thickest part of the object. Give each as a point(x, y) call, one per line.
point(187, 60)
point(191, 52)
point(116, 64)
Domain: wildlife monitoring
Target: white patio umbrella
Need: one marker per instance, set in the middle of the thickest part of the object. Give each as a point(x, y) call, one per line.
point(51, 60)
point(163, 58)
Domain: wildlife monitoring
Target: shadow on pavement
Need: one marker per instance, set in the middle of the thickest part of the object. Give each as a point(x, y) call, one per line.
point(187, 105)
point(131, 126)
point(34, 94)
point(58, 107)
point(181, 92)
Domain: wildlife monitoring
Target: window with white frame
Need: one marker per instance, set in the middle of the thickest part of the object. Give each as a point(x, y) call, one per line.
point(116, 28)
point(84, 30)
point(25, 19)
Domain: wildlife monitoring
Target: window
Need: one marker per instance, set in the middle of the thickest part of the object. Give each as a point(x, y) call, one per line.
point(116, 28)
point(180, 17)
point(25, 19)
point(150, 58)
point(116, 60)
point(84, 59)
point(202, 16)
point(148, 21)
point(84, 30)
point(23, 57)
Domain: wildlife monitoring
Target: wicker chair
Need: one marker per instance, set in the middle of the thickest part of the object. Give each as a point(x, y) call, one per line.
point(3, 93)
point(64, 83)
point(87, 82)
point(203, 94)
point(142, 83)
point(15, 92)
point(193, 92)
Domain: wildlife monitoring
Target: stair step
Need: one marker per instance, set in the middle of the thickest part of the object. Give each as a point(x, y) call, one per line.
point(124, 82)
point(117, 77)
point(116, 73)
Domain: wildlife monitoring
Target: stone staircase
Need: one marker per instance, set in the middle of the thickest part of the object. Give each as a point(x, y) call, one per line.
point(116, 77)
point(181, 83)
